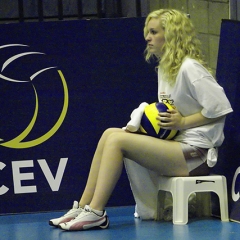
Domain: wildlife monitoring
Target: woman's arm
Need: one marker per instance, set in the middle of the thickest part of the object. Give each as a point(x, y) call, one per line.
point(172, 119)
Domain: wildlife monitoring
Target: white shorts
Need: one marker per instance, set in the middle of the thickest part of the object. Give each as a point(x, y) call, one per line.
point(196, 159)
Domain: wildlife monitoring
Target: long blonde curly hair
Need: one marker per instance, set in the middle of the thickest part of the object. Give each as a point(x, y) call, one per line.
point(180, 42)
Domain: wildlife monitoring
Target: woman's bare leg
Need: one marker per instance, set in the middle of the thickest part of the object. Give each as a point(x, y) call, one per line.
point(164, 157)
point(94, 170)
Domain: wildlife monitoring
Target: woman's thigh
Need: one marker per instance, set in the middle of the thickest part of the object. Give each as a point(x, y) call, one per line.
point(163, 156)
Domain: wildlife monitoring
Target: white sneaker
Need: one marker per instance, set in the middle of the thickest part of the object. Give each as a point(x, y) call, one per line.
point(87, 219)
point(71, 214)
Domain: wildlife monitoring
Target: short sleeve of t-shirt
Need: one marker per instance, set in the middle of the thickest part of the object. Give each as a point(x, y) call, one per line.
point(204, 88)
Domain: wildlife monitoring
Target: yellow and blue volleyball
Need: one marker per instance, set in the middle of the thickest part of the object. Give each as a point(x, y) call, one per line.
point(149, 123)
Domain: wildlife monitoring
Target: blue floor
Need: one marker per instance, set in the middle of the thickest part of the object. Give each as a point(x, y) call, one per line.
point(35, 226)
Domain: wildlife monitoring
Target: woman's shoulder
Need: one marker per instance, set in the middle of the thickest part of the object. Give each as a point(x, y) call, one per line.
point(190, 62)
point(192, 66)
point(191, 71)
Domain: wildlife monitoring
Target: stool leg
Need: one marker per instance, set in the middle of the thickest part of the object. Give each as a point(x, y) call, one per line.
point(224, 209)
point(180, 210)
point(223, 201)
point(180, 202)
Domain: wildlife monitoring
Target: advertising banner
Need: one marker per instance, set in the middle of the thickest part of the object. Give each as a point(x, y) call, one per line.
point(228, 75)
point(61, 85)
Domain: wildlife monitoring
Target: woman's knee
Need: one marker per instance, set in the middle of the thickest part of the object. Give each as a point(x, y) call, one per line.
point(115, 138)
point(107, 133)
point(110, 131)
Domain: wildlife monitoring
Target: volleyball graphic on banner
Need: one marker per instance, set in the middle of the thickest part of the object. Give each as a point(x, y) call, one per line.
point(24, 75)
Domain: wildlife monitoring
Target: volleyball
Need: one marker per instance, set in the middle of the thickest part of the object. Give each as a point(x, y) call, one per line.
point(149, 123)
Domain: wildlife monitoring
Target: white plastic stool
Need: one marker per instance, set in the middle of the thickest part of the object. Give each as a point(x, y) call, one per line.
point(182, 187)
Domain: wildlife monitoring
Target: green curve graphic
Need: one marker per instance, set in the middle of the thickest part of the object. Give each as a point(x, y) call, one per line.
point(16, 142)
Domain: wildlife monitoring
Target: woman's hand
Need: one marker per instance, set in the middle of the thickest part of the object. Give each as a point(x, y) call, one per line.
point(172, 119)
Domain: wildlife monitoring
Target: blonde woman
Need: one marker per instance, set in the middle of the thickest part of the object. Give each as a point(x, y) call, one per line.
point(201, 107)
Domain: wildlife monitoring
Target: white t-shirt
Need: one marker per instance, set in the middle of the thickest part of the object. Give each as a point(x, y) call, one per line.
point(196, 91)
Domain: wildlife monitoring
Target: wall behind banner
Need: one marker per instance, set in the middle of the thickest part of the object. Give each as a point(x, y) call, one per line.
point(61, 85)
point(228, 75)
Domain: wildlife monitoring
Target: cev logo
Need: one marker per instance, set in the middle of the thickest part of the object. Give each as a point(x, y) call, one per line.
point(235, 196)
point(19, 141)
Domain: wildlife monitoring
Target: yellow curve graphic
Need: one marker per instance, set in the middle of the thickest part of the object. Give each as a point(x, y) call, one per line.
point(16, 142)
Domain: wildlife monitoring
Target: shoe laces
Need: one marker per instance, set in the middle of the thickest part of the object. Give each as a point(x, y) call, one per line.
point(85, 212)
point(72, 210)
